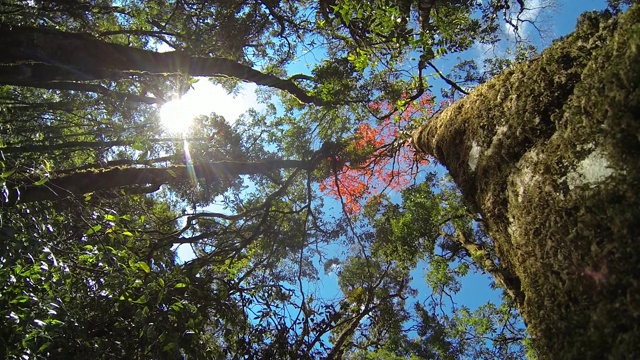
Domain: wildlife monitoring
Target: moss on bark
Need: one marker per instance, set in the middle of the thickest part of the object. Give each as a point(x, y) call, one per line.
point(549, 154)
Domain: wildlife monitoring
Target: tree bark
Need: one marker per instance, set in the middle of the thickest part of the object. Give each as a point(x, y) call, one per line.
point(35, 56)
point(89, 181)
point(85, 145)
point(549, 154)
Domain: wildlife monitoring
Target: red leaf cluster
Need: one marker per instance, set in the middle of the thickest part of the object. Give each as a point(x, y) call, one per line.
point(387, 167)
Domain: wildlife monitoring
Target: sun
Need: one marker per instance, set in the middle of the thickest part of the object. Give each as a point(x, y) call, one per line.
point(203, 99)
point(176, 116)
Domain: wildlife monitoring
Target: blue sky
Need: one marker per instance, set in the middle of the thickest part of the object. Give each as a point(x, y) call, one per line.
point(565, 20)
point(558, 20)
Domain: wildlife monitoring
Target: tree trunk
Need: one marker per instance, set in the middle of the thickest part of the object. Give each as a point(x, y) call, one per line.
point(549, 154)
point(84, 182)
point(85, 145)
point(36, 56)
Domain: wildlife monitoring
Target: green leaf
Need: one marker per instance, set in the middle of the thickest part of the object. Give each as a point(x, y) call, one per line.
point(7, 173)
point(127, 233)
point(110, 217)
point(142, 299)
point(19, 299)
point(180, 285)
point(41, 181)
point(94, 229)
point(144, 266)
point(44, 347)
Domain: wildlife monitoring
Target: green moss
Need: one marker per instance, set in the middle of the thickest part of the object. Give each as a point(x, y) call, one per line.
point(555, 170)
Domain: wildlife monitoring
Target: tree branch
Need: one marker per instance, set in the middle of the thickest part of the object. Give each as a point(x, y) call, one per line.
point(101, 179)
point(40, 55)
point(85, 87)
point(446, 79)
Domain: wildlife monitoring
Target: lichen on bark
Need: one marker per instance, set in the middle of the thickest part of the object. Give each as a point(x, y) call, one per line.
point(549, 154)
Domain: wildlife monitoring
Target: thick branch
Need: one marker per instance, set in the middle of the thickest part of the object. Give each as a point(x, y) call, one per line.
point(92, 88)
point(95, 180)
point(39, 55)
point(82, 145)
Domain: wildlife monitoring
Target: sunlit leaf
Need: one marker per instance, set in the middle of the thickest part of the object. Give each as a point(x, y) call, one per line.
point(142, 299)
point(41, 181)
point(7, 173)
point(94, 229)
point(144, 267)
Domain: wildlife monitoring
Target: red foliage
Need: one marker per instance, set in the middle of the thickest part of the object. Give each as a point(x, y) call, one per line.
point(387, 167)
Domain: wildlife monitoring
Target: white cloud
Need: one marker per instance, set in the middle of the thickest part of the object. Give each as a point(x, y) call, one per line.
point(523, 20)
point(532, 28)
point(484, 51)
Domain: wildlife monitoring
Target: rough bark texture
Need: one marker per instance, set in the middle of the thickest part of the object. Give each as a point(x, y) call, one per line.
point(92, 180)
point(36, 56)
point(82, 145)
point(549, 154)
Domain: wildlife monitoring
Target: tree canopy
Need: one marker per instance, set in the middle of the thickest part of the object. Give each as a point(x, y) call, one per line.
point(321, 183)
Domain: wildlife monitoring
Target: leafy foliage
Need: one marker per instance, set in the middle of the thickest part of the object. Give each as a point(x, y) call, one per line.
point(96, 195)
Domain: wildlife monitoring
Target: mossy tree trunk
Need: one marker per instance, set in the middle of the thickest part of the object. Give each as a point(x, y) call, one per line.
point(549, 154)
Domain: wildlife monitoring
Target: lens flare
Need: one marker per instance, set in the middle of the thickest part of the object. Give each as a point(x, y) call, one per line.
point(189, 163)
